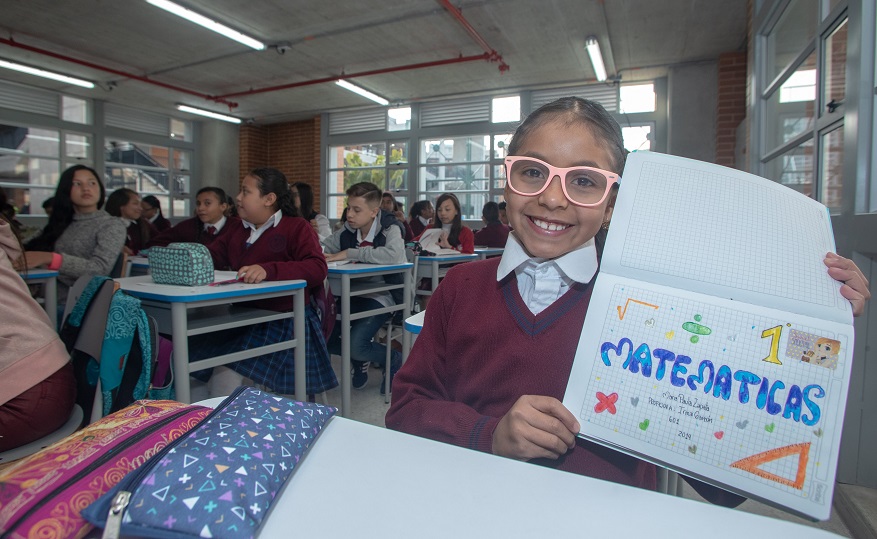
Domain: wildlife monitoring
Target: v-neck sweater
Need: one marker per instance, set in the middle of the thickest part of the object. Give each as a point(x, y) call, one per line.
point(478, 353)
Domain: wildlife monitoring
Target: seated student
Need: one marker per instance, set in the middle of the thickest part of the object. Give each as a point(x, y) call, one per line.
point(420, 216)
point(303, 196)
point(208, 224)
point(374, 236)
point(37, 386)
point(494, 233)
point(125, 203)
point(80, 238)
point(496, 385)
point(389, 204)
point(454, 234)
point(275, 244)
point(152, 213)
point(503, 218)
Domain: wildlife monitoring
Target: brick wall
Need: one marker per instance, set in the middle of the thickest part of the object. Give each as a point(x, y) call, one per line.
point(292, 147)
point(731, 105)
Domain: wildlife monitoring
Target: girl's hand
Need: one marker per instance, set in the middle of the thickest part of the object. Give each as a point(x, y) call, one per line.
point(535, 427)
point(337, 256)
point(127, 250)
point(32, 259)
point(443, 241)
point(252, 274)
point(855, 286)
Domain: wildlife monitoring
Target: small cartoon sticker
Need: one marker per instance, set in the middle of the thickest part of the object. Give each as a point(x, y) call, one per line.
point(813, 349)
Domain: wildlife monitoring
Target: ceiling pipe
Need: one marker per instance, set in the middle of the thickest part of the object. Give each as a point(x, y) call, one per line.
point(493, 56)
point(12, 43)
point(457, 60)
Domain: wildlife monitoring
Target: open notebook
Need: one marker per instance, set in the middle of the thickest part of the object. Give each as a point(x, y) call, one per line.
point(715, 342)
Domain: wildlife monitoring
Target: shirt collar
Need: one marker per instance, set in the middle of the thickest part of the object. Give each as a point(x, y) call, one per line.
point(272, 221)
point(423, 220)
point(154, 217)
point(372, 232)
point(128, 222)
point(218, 225)
point(579, 265)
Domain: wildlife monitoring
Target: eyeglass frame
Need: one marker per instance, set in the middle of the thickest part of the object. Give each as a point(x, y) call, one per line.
point(561, 173)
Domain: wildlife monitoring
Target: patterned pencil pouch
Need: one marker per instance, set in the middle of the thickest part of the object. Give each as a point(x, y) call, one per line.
point(221, 478)
point(186, 264)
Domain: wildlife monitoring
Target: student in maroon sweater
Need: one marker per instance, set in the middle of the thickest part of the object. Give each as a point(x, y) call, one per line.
point(420, 217)
point(125, 203)
point(450, 220)
point(494, 233)
point(208, 224)
point(275, 244)
point(489, 368)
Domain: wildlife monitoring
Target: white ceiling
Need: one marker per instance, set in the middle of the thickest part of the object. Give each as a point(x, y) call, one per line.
point(542, 41)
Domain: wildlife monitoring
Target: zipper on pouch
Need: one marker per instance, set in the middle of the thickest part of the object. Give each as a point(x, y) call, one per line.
point(114, 519)
point(136, 437)
point(113, 526)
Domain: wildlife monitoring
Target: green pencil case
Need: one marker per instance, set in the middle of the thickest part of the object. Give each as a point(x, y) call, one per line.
point(184, 264)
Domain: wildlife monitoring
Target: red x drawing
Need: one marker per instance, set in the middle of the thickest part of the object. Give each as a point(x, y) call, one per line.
point(606, 403)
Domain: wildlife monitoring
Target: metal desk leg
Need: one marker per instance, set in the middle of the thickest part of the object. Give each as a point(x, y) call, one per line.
point(300, 339)
point(179, 330)
point(50, 297)
point(345, 345)
point(435, 276)
point(406, 335)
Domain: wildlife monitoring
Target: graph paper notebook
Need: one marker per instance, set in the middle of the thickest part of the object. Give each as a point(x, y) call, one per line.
point(715, 342)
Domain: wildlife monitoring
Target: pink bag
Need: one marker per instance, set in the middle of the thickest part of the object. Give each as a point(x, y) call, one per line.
point(42, 495)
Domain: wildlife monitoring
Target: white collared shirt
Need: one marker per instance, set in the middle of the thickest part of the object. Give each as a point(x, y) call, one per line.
point(256, 233)
point(370, 237)
point(128, 222)
point(423, 220)
point(542, 281)
point(154, 217)
point(218, 225)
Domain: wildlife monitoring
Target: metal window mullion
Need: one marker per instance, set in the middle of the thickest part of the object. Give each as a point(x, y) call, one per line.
point(790, 145)
point(784, 75)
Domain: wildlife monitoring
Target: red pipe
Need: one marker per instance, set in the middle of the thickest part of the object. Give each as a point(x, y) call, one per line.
point(493, 56)
point(12, 43)
point(458, 60)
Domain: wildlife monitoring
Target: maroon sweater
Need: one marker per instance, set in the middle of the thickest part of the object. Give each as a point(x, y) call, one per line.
point(138, 234)
point(478, 353)
point(290, 250)
point(192, 231)
point(492, 235)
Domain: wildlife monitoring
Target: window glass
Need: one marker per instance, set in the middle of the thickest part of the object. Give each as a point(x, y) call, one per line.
point(74, 109)
point(794, 168)
point(835, 72)
point(21, 178)
point(506, 109)
point(398, 153)
point(500, 145)
point(77, 146)
point(637, 98)
point(29, 140)
point(790, 110)
point(831, 180)
point(399, 119)
point(637, 137)
point(794, 30)
point(181, 130)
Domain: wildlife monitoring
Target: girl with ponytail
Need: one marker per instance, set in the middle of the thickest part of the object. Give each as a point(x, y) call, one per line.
point(273, 244)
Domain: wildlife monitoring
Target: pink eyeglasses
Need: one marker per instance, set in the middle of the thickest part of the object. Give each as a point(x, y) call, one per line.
point(583, 186)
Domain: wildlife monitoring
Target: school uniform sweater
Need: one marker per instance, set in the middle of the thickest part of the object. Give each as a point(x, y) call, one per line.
point(160, 222)
point(90, 245)
point(30, 350)
point(192, 231)
point(289, 250)
point(417, 227)
point(492, 235)
point(477, 354)
point(134, 235)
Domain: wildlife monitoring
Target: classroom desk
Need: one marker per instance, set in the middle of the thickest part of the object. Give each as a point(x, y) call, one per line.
point(49, 280)
point(435, 267)
point(138, 265)
point(340, 281)
point(439, 490)
point(183, 311)
point(412, 325)
point(488, 252)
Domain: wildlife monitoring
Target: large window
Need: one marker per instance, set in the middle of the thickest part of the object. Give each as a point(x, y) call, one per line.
point(150, 170)
point(381, 163)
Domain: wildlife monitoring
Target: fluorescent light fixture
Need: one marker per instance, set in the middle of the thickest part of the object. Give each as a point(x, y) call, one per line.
point(362, 91)
point(45, 74)
point(209, 114)
point(593, 48)
point(210, 24)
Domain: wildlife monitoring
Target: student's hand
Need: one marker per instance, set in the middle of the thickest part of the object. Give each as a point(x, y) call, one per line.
point(315, 226)
point(535, 427)
point(127, 250)
point(337, 256)
point(443, 241)
point(856, 286)
point(400, 216)
point(32, 259)
point(252, 274)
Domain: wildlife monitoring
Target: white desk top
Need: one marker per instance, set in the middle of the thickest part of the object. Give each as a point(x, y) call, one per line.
point(414, 324)
point(359, 267)
point(144, 287)
point(139, 261)
point(438, 490)
point(38, 273)
point(447, 258)
point(489, 250)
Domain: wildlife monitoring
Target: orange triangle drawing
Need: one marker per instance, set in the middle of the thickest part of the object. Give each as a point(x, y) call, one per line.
point(751, 464)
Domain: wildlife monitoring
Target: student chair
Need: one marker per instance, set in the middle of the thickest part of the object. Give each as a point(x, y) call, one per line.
point(391, 335)
point(72, 425)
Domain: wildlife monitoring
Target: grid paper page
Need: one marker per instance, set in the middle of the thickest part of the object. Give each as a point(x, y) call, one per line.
point(709, 227)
